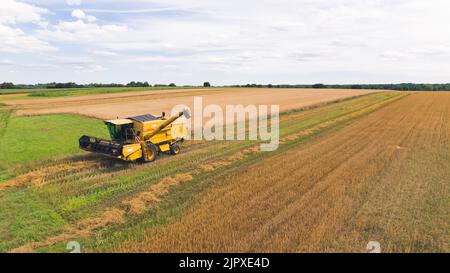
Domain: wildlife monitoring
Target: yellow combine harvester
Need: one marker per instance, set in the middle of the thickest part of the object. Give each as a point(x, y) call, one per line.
point(139, 138)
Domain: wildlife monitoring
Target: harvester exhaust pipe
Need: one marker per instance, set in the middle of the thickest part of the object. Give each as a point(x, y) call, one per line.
point(168, 122)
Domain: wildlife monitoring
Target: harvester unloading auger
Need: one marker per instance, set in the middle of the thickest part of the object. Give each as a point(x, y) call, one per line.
point(139, 138)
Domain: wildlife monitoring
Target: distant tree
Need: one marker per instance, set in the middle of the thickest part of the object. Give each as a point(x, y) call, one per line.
point(318, 85)
point(7, 85)
point(59, 85)
point(172, 85)
point(206, 84)
point(104, 85)
point(138, 84)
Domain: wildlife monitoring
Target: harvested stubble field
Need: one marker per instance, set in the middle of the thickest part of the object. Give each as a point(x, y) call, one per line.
point(108, 106)
point(383, 178)
point(373, 167)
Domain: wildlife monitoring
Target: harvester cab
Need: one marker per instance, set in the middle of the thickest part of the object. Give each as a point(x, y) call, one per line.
point(139, 138)
point(120, 130)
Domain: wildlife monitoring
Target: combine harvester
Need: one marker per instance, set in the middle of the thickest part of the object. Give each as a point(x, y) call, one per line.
point(139, 138)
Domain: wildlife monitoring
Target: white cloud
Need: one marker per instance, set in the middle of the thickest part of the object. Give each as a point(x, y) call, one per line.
point(73, 2)
point(309, 55)
point(78, 64)
point(89, 68)
point(81, 32)
point(236, 41)
point(14, 40)
point(416, 53)
point(6, 62)
point(79, 14)
point(103, 53)
point(131, 11)
point(41, 66)
point(394, 55)
point(13, 12)
point(432, 51)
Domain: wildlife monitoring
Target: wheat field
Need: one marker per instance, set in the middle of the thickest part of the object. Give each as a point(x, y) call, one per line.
point(366, 168)
point(382, 178)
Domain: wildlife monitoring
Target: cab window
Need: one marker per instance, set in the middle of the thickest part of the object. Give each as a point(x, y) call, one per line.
point(120, 133)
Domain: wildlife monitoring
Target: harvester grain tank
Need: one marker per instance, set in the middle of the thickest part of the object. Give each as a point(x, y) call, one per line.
point(140, 138)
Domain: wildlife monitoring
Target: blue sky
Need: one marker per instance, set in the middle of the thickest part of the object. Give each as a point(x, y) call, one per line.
point(225, 42)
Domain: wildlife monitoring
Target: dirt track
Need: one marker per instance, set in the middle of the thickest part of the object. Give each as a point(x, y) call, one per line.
point(107, 106)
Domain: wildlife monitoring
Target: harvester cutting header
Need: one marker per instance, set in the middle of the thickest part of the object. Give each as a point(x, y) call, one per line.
point(139, 138)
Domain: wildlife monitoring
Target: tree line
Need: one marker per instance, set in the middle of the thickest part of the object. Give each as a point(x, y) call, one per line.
point(400, 86)
point(55, 85)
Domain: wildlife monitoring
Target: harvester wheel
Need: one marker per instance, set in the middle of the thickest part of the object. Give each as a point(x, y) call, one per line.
point(175, 149)
point(152, 153)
